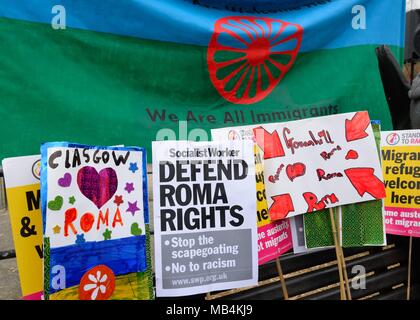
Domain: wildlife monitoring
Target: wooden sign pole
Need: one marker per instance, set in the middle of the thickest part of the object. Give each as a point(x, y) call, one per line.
point(410, 250)
point(346, 278)
point(282, 280)
point(337, 252)
point(343, 260)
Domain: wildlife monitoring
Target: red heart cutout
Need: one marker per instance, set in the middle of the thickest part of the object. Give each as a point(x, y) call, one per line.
point(295, 170)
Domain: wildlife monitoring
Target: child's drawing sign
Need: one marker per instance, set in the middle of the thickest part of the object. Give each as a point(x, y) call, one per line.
point(96, 223)
point(318, 163)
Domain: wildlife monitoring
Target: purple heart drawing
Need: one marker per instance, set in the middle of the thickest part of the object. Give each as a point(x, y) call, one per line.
point(65, 181)
point(97, 187)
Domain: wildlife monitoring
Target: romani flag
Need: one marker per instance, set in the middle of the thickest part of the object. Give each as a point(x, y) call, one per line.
point(121, 71)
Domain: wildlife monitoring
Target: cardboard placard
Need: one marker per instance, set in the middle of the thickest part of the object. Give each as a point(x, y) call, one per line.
point(22, 176)
point(401, 169)
point(204, 216)
point(96, 222)
point(319, 163)
point(274, 238)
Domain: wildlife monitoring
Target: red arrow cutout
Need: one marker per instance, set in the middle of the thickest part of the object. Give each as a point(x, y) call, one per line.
point(281, 207)
point(364, 180)
point(269, 143)
point(356, 127)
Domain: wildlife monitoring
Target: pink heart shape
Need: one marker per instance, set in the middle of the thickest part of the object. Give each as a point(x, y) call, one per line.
point(97, 187)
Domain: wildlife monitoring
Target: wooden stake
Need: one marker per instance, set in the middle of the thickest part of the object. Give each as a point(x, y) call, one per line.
point(410, 249)
point(283, 282)
point(346, 277)
point(337, 253)
point(208, 296)
point(343, 260)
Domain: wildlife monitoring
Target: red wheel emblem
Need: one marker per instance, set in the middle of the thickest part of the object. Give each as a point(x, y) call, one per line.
point(97, 283)
point(248, 56)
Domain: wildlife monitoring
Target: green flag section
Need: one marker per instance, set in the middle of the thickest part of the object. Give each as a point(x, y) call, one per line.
point(318, 230)
point(126, 73)
point(362, 224)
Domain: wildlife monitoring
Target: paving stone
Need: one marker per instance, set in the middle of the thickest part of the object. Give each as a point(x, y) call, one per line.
point(9, 277)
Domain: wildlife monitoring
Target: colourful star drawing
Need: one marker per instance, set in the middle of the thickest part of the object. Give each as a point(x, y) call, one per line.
point(56, 229)
point(132, 207)
point(133, 167)
point(72, 200)
point(118, 200)
point(129, 187)
point(80, 238)
point(107, 234)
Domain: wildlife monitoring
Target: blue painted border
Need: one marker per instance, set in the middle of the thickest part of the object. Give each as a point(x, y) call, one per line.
point(120, 255)
point(145, 189)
